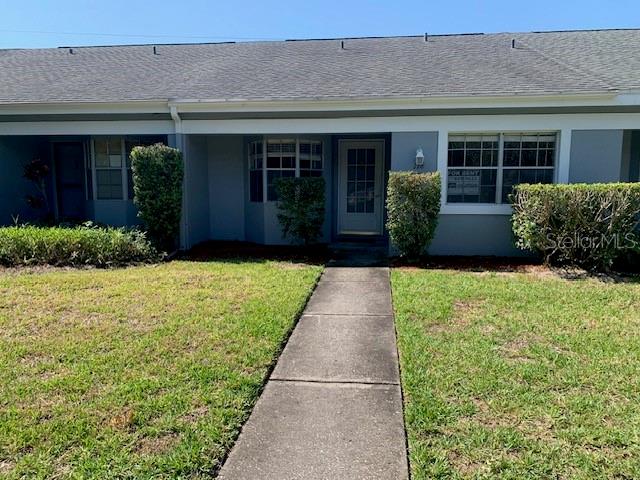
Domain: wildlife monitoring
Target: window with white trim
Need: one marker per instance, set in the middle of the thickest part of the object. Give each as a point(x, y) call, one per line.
point(310, 153)
point(112, 165)
point(108, 154)
point(281, 162)
point(484, 168)
point(281, 158)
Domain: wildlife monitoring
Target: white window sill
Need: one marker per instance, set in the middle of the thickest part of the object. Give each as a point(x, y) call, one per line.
point(475, 209)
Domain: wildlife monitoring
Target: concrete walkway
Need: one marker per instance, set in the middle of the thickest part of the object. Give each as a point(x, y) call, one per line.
point(332, 408)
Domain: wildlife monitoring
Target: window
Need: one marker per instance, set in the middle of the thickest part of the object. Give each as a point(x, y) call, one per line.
point(527, 159)
point(281, 162)
point(310, 159)
point(485, 168)
point(473, 168)
point(281, 158)
point(108, 162)
point(112, 165)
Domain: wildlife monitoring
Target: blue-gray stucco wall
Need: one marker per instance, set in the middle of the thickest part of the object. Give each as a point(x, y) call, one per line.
point(404, 146)
point(226, 187)
point(197, 188)
point(596, 156)
point(486, 235)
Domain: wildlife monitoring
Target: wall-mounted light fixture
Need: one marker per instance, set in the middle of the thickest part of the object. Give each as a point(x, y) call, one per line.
point(419, 158)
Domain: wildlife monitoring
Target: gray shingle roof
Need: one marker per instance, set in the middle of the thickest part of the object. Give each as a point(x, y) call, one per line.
point(453, 65)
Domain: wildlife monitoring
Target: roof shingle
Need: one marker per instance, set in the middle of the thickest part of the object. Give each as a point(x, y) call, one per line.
point(446, 65)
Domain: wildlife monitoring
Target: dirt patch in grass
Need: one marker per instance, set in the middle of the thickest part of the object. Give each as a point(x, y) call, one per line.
point(516, 349)
point(157, 445)
point(6, 466)
point(196, 414)
point(462, 316)
point(464, 465)
point(122, 420)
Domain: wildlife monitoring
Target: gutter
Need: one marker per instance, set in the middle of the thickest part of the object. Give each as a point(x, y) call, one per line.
point(180, 145)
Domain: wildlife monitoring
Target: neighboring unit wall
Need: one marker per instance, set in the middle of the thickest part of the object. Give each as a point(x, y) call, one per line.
point(226, 187)
point(474, 235)
point(596, 156)
point(15, 153)
point(404, 146)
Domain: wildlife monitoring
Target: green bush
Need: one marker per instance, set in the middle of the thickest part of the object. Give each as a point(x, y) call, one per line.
point(76, 246)
point(301, 206)
point(157, 186)
point(413, 206)
point(587, 225)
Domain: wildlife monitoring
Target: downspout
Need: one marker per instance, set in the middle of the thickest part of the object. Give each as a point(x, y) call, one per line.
point(180, 145)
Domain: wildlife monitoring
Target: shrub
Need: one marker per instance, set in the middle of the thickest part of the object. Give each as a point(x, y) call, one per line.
point(413, 206)
point(77, 246)
point(301, 207)
point(587, 225)
point(157, 186)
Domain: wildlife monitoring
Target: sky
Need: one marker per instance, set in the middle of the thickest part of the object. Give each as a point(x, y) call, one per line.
point(52, 23)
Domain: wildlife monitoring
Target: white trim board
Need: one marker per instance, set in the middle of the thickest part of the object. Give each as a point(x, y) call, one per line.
point(453, 123)
point(129, 127)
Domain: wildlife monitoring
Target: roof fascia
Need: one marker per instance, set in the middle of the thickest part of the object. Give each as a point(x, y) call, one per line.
point(70, 108)
point(590, 99)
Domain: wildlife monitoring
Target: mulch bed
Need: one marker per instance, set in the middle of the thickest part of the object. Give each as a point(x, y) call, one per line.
point(473, 264)
point(217, 250)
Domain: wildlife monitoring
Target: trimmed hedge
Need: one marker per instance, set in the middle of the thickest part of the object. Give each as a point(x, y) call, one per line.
point(587, 225)
point(157, 172)
point(301, 206)
point(413, 207)
point(77, 246)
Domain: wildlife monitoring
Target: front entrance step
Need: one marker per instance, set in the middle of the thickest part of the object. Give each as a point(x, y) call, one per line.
point(350, 254)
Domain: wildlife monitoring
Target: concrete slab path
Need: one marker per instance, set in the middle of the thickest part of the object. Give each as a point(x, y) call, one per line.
point(332, 409)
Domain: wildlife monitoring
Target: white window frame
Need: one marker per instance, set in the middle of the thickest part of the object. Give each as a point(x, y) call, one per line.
point(497, 207)
point(123, 169)
point(264, 140)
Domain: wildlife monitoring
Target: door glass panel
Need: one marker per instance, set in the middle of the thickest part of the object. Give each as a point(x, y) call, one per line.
point(361, 168)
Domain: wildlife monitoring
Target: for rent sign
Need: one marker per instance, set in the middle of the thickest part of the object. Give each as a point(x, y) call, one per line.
point(463, 182)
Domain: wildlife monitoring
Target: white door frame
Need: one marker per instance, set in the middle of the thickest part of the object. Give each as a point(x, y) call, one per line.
point(379, 188)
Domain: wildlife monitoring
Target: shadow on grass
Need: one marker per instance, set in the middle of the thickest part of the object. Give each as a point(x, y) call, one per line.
point(239, 252)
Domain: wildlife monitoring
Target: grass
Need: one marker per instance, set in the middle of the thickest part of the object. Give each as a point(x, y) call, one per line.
point(517, 376)
point(144, 372)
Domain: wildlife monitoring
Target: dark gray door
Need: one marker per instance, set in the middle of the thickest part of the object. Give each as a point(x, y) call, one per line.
point(69, 166)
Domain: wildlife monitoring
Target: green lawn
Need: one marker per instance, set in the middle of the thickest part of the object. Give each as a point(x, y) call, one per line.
point(519, 376)
point(144, 372)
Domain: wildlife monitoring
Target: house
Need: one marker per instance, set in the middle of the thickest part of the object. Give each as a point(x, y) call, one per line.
point(486, 110)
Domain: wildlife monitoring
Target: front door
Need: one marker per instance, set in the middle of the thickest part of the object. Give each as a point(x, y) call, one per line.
point(69, 170)
point(360, 198)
